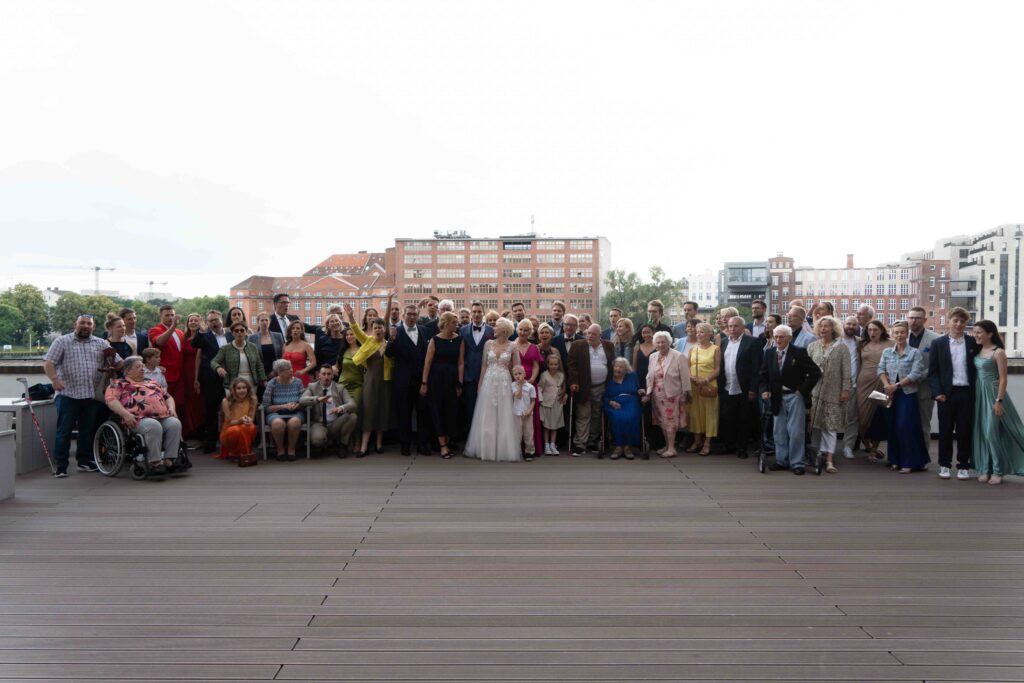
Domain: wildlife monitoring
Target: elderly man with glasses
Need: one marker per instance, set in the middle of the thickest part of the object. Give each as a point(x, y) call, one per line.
point(787, 377)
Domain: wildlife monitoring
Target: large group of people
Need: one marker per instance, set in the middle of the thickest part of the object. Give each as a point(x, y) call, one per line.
point(509, 387)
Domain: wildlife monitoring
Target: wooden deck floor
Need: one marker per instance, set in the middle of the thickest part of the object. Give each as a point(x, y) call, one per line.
point(391, 569)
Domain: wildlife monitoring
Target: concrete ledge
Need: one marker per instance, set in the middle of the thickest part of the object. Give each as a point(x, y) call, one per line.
point(7, 467)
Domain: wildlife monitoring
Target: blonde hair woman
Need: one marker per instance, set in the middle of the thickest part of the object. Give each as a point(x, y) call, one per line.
point(705, 364)
point(830, 395)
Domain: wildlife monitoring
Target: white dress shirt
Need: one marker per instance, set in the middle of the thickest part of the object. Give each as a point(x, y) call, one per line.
point(732, 380)
point(757, 328)
point(478, 333)
point(958, 350)
point(598, 365)
point(851, 344)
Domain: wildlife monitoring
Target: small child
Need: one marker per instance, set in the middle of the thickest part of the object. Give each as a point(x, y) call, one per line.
point(523, 397)
point(151, 359)
point(552, 398)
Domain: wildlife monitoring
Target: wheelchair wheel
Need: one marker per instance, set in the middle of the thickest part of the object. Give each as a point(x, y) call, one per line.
point(109, 448)
point(762, 462)
point(182, 463)
point(137, 471)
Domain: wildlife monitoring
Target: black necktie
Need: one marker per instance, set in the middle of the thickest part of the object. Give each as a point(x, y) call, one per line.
point(323, 406)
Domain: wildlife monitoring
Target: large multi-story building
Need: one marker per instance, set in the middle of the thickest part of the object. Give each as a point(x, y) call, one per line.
point(986, 278)
point(703, 290)
point(358, 279)
point(892, 289)
point(500, 271)
point(740, 282)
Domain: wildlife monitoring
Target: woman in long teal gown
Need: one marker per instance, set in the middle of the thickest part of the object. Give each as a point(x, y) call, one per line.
point(998, 439)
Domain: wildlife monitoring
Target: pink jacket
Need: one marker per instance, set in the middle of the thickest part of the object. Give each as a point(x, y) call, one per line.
point(677, 373)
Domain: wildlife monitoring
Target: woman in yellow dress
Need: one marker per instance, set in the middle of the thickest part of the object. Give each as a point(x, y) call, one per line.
point(705, 364)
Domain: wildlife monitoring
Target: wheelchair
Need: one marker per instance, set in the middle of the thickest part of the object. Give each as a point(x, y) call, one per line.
point(115, 446)
point(813, 460)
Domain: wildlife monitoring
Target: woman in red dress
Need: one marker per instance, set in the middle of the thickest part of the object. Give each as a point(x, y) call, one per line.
point(192, 413)
point(299, 352)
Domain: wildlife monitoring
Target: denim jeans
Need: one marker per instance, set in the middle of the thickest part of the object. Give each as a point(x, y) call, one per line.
point(71, 412)
point(789, 431)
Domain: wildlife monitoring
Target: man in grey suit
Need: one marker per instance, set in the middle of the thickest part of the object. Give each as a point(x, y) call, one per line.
point(921, 339)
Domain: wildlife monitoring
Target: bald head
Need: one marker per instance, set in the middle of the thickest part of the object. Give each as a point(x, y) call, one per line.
point(594, 335)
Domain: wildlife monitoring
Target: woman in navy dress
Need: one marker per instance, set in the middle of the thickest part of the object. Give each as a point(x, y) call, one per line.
point(622, 405)
point(442, 379)
point(900, 369)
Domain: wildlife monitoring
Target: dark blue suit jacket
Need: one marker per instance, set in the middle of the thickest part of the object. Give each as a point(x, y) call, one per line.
point(474, 355)
point(940, 365)
point(409, 357)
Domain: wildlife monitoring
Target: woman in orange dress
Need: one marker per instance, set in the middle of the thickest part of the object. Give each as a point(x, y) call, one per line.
point(239, 430)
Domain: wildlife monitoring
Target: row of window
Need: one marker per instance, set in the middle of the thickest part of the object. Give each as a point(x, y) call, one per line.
point(492, 273)
point(479, 245)
point(427, 259)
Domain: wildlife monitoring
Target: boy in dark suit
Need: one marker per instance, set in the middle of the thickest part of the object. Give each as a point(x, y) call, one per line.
point(951, 374)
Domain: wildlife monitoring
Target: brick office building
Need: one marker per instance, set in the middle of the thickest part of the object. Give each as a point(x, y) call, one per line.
point(890, 288)
point(497, 272)
point(358, 279)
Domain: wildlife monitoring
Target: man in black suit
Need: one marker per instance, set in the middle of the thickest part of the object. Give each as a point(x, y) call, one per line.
point(787, 377)
point(409, 349)
point(210, 385)
point(430, 327)
point(655, 316)
point(280, 319)
point(951, 374)
point(474, 336)
point(737, 388)
point(570, 333)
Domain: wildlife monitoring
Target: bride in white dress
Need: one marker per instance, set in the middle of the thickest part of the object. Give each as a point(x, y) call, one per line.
point(494, 434)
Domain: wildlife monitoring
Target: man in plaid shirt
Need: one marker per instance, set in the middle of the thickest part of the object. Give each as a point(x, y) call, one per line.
point(73, 364)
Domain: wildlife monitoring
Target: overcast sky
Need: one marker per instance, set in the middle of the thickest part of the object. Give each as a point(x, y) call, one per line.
point(201, 142)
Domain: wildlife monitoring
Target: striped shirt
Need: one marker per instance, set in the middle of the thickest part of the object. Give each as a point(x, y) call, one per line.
point(77, 362)
point(279, 394)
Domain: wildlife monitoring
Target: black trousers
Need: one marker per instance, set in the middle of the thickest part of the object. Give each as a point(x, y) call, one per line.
point(467, 406)
point(956, 419)
point(212, 392)
point(407, 403)
point(738, 421)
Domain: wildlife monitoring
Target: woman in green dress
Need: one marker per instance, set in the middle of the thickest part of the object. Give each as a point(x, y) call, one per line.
point(350, 375)
point(998, 439)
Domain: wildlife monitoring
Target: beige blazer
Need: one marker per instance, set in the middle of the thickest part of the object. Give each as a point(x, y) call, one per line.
point(677, 373)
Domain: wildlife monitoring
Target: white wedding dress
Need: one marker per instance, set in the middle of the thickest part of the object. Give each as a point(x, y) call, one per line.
point(495, 432)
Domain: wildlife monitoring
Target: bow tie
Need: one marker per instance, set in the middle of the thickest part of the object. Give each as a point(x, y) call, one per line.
point(477, 329)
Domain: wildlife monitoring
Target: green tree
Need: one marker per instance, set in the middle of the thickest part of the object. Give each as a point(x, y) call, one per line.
point(71, 305)
point(626, 291)
point(202, 304)
point(11, 323)
point(29, 301)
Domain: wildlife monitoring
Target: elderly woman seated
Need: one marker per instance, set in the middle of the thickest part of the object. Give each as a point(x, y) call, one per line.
point(622, 404)
point(281, 405)
point(147, 409)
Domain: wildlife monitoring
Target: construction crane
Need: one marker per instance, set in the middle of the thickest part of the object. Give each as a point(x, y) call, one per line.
point(95, 269)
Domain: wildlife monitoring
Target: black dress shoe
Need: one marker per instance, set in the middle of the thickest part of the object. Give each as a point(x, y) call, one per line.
point(406, 452)
point(423, 451)
point(798, 471)
point(776, 467)
point(360, 454)
point(378, 449)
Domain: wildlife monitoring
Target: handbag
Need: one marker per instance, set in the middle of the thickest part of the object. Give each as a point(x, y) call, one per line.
point(705, 390)
point(248, 459)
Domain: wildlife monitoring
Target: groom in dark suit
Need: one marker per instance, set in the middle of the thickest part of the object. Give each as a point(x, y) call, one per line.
point(474, 336)
point(409, 349)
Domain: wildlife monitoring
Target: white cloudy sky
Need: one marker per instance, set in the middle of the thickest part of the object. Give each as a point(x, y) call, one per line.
point(200, 142)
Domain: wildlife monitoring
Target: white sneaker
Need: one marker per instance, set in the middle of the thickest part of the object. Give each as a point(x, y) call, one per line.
point(963, 475)
point(554, 449)
point(943, 473)
point(848, 454)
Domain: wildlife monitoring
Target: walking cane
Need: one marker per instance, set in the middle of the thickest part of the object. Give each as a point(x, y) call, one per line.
point(571, 422)
point(39, 429)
